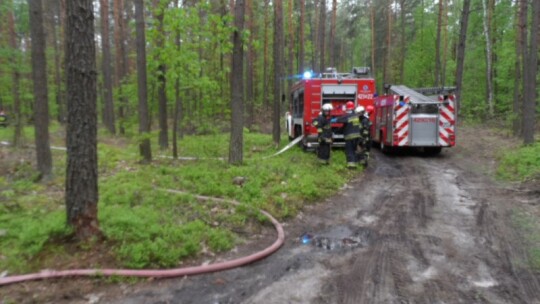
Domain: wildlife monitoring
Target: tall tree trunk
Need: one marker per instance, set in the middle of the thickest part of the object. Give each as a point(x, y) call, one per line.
point(108, 106)
point(444, 34)
point(162, 84)
point(489, 58)
point(301, 52)
point(265, 59)
point(438, 45)
point(403, 42)
point(373, 49)
point(59, 93)
point(460, 60)
point(530, 70)
point(278, 63)
point(81, 130)
point(388, 50)
point(144, 120)
point(291, 46)
point(39, 76)
point(120, 59)
point(332, 42)
point(16, 76)
point(322, 32)
point(177, 117)
point(236, 145)
point(250, 98)
point(521, 30)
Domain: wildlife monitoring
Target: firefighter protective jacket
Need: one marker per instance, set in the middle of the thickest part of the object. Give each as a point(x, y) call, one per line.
point(351, 129)
point(324, 128)
point(366, 126)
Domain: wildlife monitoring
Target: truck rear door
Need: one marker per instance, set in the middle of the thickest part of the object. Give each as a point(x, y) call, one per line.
point(424, 124)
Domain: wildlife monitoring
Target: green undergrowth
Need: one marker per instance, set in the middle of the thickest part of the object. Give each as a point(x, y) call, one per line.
point(150, 214)
point(530, 228)
point(520, 164)
point(523, 164)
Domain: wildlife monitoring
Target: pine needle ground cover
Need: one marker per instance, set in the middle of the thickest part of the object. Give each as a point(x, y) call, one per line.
point(144, 224)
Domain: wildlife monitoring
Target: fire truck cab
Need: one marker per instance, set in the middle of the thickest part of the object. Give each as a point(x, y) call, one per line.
point(407, 117)
point(309, 94)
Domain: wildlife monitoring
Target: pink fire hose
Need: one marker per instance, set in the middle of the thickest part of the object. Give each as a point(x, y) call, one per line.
point(159, 273)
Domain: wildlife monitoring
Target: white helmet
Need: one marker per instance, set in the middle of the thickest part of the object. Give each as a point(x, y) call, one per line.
point(359, 110)
point(327, 107)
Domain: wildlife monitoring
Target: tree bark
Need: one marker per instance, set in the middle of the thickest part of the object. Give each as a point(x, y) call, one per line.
point(16, 76)
point(250, 98)
point(322, 32)
point(120, 59)
point(236, 144)
point(521, 28)
point(144, 120)
point(108, 105)
point(301, 52)
point(373, 32)
point(332, 42)
point(162, 81)
point(39, 76)
point(460, 60)
point(438, 45)
point(489, 59)
point(266, 100)
point(530, 71)
point(81, 130)
point(278, 64)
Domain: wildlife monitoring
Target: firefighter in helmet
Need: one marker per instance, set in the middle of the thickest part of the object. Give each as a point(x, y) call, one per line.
point(351, 133)
point(324, 131)
point(364, 142)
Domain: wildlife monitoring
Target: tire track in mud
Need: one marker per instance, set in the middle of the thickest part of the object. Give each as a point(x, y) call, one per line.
point(437, 241)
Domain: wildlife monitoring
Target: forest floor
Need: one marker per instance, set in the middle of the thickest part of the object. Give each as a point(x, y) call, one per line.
point(411, 229)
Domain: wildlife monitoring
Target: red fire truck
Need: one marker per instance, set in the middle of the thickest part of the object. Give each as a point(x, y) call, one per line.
point(407, 117)
point(309, 94)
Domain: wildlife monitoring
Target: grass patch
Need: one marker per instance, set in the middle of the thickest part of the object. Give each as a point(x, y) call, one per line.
point(530, 228)
point(148, 227)
point(520, 164)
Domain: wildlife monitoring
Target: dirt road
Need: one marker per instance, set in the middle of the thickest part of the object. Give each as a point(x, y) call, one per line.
point(412, 229)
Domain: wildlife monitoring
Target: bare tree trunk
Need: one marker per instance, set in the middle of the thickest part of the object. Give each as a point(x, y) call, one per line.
point(521, 30)
point(16, 82)
point(403, 43)
point(530, 71)
point(278, 63)
point(373, 53)
point(265, 59)
point(322, 32)
point(388, 50)
point(438, 45)
point(177, 117)
point(301, 52)
point(460, 60)
point(236, 144)
point(162, 82)
point(120, 58)
point(144, 120)
point(39, 76)
point(444, 34)
point(250, 98)
point(332, 42)
point(108, 108)
point(81, 131)
point(489, 58)
point(291, 46)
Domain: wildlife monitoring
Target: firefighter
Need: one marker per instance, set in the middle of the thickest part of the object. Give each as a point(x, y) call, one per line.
point(351, 133)
point(324, 132)
point(364, 143)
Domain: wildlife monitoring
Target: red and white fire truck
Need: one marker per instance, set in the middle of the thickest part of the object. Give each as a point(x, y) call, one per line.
point(420, 118)
point(309, 94)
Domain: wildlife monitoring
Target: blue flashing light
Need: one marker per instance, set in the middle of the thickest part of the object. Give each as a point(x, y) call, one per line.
point(307, 75)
